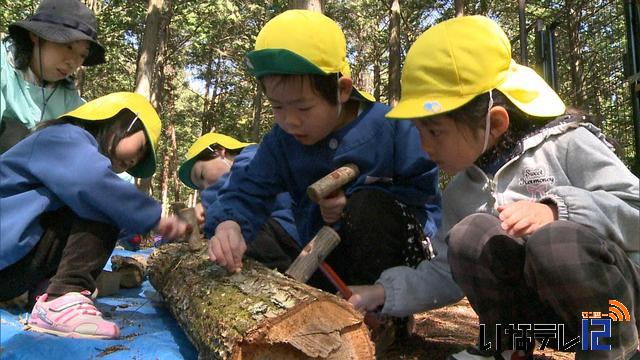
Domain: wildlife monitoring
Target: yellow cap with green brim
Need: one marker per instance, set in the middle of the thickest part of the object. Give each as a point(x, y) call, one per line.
point(454, 61)
point(301, 42)
point(108, 106)
point(203, 143)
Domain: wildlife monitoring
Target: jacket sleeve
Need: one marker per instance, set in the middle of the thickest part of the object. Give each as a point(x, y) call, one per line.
point(248, 196)
point(428, 286)
point(70, 165)
point(416, 176)
point(604, 195)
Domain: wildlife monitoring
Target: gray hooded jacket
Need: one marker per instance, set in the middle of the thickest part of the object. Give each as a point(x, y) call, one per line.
point(569, 164)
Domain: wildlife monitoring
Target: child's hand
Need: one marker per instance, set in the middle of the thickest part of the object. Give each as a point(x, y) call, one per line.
point(171, 227)
point(227, 246)
point(331, 207)
point(367, 297)
point(200, 215)
point(526, 217)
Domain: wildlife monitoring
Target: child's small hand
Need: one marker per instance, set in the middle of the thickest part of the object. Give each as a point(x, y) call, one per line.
point(227, 246)
point(171, 227)
point(367, 297)
point(200, 215)
point(525, 217)
point(331, 207)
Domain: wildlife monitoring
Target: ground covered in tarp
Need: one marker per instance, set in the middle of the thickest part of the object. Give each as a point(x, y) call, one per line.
point(147, 330)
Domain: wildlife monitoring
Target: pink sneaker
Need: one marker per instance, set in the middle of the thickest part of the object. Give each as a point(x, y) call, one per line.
point(71, 315)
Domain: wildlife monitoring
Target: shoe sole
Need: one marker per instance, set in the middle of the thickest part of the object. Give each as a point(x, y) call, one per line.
point(73, 335)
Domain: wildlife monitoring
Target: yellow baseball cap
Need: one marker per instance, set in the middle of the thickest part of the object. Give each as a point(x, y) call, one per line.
point(301, 42)
point(454, 61)
point(204, 142)
point(106, 107)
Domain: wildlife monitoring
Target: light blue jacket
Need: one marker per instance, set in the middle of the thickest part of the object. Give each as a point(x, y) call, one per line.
point(282, 208)
point(388, 154)
point(61, 166)
point(22, 101)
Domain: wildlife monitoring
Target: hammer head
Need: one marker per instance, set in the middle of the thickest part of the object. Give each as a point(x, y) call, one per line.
point(313, 254)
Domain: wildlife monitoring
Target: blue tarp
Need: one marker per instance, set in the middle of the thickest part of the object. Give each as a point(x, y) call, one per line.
point(147, 330)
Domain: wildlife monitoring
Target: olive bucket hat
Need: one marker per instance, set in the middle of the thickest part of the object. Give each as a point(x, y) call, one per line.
point(108, 106)
point(205, 143)
point(64, 21)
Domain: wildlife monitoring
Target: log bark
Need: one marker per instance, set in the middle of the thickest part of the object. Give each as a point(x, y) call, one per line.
point(257, 313)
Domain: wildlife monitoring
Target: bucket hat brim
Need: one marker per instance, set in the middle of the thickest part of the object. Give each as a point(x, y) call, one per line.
point(60, 34)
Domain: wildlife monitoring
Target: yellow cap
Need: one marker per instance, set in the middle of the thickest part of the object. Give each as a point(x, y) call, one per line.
point(461, 58)
point(301, 42)
point(204, 142)
point(108, 106)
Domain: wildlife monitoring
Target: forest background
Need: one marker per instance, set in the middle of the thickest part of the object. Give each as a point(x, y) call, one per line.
point(187, 56)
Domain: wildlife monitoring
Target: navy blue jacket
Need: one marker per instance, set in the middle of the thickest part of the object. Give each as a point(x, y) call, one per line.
point(61, 166)
point(388, 153)
point(282, 209)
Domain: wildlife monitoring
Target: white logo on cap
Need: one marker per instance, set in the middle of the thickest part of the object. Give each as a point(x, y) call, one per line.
point(432, 106)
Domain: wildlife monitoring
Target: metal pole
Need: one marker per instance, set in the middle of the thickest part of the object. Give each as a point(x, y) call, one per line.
point(632, 22)
point(523, 33)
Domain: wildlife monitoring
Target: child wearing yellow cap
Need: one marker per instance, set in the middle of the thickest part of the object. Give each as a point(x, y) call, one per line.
point(67, 206)
point(541, 217)
point(210, 161)
point(322, 123)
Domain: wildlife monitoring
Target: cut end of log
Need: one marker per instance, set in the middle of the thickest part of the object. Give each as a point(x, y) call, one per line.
point(323, 329)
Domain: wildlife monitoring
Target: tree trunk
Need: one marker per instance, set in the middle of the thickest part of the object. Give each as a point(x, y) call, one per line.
point(257, 115)
point(166, 170)
point(573, 19)
point(394, 53)
point(255, 314)
point(148, 50)
point(314, 5)
point(459, 5)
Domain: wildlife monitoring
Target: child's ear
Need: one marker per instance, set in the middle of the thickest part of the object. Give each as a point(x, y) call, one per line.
point(499, 121)
point(345, 86)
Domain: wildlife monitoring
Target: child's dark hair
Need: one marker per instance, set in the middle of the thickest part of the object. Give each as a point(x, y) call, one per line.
point(107, 133)
point(324, 85)
point(473, 114)
point(207, 154)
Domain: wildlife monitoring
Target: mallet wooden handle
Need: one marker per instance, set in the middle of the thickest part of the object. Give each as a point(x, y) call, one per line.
point(330, 183)
point(313, 254)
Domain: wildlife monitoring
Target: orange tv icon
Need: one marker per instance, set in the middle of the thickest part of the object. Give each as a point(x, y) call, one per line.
point(617, 311)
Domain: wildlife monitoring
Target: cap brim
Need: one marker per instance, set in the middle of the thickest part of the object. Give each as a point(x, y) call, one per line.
point(280, 61)
point(530, 93)
point(416, 108)
point(184, 173)
point(58, 34)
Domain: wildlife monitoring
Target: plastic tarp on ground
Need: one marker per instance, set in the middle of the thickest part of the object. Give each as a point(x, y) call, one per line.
point(147, 330)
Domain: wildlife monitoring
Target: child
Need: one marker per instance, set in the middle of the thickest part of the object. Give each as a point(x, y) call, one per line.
point(210, 161)
point(37, 62)
point(322, 123)
point(67, 204)
point(541, 217)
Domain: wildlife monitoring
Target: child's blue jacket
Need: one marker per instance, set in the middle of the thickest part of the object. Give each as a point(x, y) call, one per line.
point(282, 209)
point(387, 152)
point(61, 166)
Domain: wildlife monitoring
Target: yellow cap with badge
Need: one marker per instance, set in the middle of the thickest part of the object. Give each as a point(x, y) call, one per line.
point(205, 142)
point(108, 106)
point(454, 61)
point(301, 42)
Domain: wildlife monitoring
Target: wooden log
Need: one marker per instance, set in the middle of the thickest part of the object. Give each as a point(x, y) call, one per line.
point(132, 270)
point(257, 313)
point(332, 182)
point(313, 254)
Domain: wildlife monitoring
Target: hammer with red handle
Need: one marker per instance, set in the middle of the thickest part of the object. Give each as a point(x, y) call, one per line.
point(313, 255)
